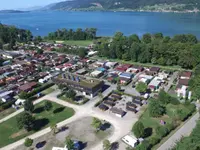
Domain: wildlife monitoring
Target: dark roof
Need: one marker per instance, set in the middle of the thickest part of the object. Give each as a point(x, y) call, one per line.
point(183, 82)
point(130, 104)
point(109, 102)
point(124, 79)
point(186, 74)
point(117, 111)
point(103, 107)
point(116, 96)
point(154, 69)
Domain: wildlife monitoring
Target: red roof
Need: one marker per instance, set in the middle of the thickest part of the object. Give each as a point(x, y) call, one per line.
point(186, 74)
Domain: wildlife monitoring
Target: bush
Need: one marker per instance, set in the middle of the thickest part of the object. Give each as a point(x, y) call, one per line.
point(138, 129)
point(85, 100)
point(154, 140)
point(6, 105)
point(143, 146)
point(28, 142)
point(161, 131)
point(170, 126)
point(183, 114)
point(48, 105)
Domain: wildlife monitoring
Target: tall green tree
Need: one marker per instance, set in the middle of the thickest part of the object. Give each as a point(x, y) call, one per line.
point(28, 106)
point(26, 121)
point(106, 145)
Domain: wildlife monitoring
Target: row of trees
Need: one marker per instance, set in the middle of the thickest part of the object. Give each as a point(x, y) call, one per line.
point(182, 50)
point(10, 35)
point(79, 34)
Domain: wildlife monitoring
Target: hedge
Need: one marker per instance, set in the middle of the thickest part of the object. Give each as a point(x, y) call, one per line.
point(6, 105)
point(39, 89)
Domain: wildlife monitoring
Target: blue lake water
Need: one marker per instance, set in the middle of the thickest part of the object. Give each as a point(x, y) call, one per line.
point(107, 23)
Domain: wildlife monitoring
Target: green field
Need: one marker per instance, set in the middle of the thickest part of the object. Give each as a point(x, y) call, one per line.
point(48, 91)
point(79, 43)
point(10, 133)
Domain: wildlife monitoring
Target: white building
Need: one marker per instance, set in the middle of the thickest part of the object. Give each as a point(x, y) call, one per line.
point(130, 140)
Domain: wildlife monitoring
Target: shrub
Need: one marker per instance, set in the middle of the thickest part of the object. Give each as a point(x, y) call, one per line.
point(138, 129)
point(6, 105)
point(161, 131)
point(154, 140)
point(183, 114)
point(170, 126)
point(143, 146)
point(28, 142)
point(48, 105)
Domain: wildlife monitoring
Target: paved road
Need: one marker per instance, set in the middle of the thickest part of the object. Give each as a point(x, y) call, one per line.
point(185, 130)
point(122, 126)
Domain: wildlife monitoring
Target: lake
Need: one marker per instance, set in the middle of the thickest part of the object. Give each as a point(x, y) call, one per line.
point(107, 23)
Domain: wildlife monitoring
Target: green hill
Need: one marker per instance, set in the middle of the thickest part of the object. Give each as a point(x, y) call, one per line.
point(142, 5)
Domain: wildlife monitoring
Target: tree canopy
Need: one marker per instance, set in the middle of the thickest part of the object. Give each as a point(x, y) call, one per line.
point(182, 50)
point(141, 87)
point(28, 106)
point(26, 121)
point(155, 108)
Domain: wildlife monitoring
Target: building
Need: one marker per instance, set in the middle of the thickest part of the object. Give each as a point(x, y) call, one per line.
point(154, 84)
point(96, 74)
point(118, 112)
point(153, 71)
point(27, 86)
point(89, 87)
point(185, 75)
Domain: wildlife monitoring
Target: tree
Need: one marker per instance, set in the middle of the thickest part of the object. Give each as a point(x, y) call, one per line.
point(28, 106)
point(143, 146)
point(40, 51)
point(138, 129)
point(54, 128)
point(106, 145)
point(141, 87)
point(146, 38)
point(48, 105)
point(26, 121)
point(82, 53)
point(155, 108)
point(23, 95)
point(119, 87)
point(69, 143)
point(28, 142)
point(100, 95)
point(70, 94)
point(163, 97)
point(96, 123)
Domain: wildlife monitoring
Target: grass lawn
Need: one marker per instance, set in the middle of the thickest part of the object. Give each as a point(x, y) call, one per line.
point(10, 133)
point(79, 43)
point(153, 123)
point(6, 112)
point(48, 91)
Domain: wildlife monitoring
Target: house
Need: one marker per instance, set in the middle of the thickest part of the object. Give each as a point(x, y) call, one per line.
point(109, 102)
point(118, 112)
point(6, 95)
point(153, 71)
point(27, 86)
point(185, 75)
point(103, 107)
point(123, 68)
point(96, 73)
point(131, 107)
point(154, 84)
point(130, 140)
point(81, 72)
point(111, 64)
